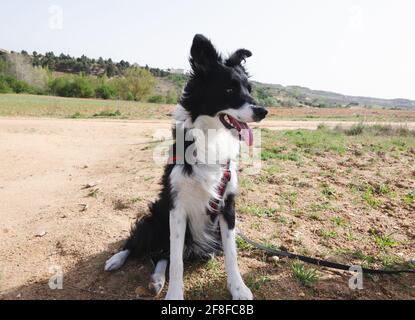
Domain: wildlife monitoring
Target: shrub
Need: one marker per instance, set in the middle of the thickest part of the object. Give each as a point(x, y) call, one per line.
point(171, 97)
point(157, 99)
point(105, 91)
point(9, 84)
point(139, 82)
point(77, 86)
point(82, 88)
point(4, 86)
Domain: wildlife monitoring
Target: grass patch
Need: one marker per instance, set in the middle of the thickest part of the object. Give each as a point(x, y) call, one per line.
point(256, 281)
point(107, 114)
point(328, 234)
point(339, 221)
point(93, 193)
point(371, 200)
point(409, 198)
point(258, 211)
point(306, 276)
point(242, 244)
point(384, 241)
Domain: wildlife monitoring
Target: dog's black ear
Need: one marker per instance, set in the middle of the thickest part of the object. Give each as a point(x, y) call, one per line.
point(236, 58)
point(203, 53)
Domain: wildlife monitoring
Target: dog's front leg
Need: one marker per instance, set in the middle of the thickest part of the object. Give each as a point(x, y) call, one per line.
point(236, 285)
point(177, 234)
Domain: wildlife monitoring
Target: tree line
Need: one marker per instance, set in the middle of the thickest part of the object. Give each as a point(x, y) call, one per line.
point(81, 77)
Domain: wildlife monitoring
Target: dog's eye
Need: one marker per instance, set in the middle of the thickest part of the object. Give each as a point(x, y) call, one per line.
point(229, 91)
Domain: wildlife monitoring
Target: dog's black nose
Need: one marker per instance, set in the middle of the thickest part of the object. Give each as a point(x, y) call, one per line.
point(259, 113)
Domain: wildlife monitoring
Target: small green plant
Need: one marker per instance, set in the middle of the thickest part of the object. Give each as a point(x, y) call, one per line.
point(259, 212)
point(107, 114)
point(76, 115)
point(370, 198)
point(291, 197)
point(306, 276)
point(355, 130)
point(93, 193)
point(409, 198)
point(328, 234)
point(384, 241)
point(242, 244)
point(349, 235)
point(255, 281)
point(339, 221)
point(328, 191)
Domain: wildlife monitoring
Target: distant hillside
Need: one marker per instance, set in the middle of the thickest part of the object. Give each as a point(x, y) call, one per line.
point(301, 96)
point(270, 95)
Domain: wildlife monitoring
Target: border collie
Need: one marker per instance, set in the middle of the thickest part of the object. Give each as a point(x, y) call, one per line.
point(184, 223)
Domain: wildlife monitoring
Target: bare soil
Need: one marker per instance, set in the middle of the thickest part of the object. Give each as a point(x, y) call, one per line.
point(70, 189)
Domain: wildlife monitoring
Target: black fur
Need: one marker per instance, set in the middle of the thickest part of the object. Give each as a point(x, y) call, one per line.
point(229, 211)
point(215, 84)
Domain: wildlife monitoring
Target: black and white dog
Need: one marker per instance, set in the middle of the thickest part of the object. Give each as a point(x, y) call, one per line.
point(182, 224)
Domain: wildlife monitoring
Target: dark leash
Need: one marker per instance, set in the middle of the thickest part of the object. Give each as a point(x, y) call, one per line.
point(318, 262)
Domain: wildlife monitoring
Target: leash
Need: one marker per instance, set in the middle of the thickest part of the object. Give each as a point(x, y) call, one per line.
point(318, 262)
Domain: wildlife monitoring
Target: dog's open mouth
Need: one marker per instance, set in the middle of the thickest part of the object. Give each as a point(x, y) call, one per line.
point(244, 131)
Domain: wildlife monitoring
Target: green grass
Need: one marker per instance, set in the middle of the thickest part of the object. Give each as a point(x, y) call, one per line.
point(298, 145)
point(258, 211)
point(25, 105)
point(384, 241)
point(93, 193)
point(328, 234)
point(242, 244)
point(256, 281)
point(339, 221)
point(371, 200)
point(306, 276)
point(409, 198)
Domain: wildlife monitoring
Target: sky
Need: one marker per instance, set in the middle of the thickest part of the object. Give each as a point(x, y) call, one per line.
point(364, 47)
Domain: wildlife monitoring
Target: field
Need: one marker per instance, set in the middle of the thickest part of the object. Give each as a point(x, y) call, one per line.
point(22, 105)
point(70, 189)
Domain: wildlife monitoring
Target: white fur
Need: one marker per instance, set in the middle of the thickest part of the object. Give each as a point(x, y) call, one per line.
point(236, 285)
point(116, 261)
point(158, 278)
point(244, 113)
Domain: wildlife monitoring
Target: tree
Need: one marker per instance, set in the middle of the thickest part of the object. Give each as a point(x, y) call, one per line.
point(140, 82)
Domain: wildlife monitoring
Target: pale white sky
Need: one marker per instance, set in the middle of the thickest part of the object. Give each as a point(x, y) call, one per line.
point(353, 47)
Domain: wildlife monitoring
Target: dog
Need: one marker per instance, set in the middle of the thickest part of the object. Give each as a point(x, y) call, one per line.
point(191, 218)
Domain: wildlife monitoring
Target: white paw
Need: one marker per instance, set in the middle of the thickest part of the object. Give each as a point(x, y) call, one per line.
point(157, 283)
point(240, 291)
point(116, 261)
point(174, 294)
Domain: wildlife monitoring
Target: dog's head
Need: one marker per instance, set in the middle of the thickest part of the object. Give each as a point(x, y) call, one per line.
point(220, 88)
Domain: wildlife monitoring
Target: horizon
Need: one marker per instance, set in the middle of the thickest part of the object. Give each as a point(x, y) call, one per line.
point(361, 50)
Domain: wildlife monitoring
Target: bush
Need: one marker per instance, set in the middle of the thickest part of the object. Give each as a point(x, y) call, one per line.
point(105, 91)
point(171, 97)
point(81, 88)
point(4, 86)
point(139, 82)
point(157, 99)
point(77, 86)
point(9, 84)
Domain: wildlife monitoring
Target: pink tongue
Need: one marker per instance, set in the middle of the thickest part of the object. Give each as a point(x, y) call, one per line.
point(244, 130)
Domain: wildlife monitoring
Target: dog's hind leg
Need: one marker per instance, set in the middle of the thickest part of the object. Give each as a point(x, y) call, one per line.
point(116, 261)
point(158, 278)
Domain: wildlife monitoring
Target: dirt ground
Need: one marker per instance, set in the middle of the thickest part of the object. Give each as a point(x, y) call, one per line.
point(51, 222)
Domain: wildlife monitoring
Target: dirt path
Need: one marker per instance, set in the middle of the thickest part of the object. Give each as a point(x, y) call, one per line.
point(44, 165)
